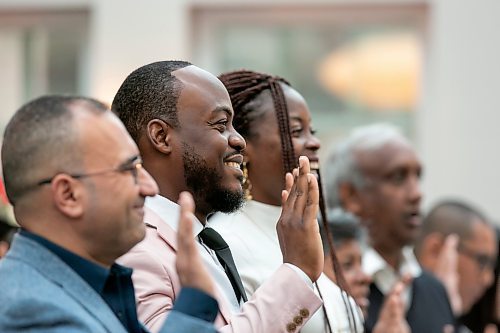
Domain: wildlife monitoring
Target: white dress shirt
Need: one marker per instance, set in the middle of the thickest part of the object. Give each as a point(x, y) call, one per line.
point(169, 211)
point(384, 276)
point(252, 237)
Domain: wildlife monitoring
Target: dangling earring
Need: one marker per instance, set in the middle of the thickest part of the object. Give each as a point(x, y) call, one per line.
point(247, 185)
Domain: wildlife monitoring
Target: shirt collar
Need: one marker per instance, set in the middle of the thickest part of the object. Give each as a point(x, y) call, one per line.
point(94, 274)
point(169, 212)
point(373, 263)
point(383, 275)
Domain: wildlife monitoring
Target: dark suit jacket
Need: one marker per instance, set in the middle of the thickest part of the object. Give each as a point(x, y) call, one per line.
point(429, 311)
point(40, 293)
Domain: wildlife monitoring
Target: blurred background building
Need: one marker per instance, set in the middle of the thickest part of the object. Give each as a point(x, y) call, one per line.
point(429, 67)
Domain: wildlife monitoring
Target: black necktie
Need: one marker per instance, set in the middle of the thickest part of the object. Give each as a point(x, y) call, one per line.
point(213, 240)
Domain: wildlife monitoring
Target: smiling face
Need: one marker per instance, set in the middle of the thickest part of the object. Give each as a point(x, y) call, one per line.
point(264, 151)
point(207, 147)
point(114, 200)
point(389, 203)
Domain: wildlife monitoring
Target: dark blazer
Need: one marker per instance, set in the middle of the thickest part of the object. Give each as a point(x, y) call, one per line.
point(40, 293)
point(429, 311)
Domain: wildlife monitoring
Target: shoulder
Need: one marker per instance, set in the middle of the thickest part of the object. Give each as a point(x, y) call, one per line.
point(32, 303)
point(429, 281)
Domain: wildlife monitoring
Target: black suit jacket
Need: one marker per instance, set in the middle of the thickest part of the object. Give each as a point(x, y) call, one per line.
point(429, 311)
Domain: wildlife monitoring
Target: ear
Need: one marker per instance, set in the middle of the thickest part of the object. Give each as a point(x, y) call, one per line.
point(159, 134)
point(68, 195)
point(433, 244)
point(430, 249)
point(350, 198)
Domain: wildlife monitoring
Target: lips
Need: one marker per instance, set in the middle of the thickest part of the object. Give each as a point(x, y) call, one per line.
point(234, 162)
point(413, 219)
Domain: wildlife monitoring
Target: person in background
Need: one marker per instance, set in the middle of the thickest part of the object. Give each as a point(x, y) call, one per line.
point(374, 174)
point(75, 179)
point(347, 239)
point(349, 242)
point(485, 313)
point(459, 246)
point(276, 123)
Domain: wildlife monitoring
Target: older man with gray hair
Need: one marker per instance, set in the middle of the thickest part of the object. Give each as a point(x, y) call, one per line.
point(374, 174)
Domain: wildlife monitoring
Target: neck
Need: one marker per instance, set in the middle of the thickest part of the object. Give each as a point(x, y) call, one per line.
point(392, 256)
point(201, 217)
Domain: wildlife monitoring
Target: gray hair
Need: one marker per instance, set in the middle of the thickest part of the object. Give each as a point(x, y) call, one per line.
point(342, 165)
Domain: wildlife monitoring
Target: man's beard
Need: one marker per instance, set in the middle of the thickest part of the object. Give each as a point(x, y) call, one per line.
point(205, 184)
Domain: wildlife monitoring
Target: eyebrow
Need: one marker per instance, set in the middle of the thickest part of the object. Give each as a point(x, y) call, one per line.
point(224, 109)
point(297, 118)
point(130, 160)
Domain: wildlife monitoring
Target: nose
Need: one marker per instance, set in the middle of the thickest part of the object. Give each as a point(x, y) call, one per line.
point(147, 185)
point(363, 278)
point(236, 141)
point(415, 193)
point(313, 143)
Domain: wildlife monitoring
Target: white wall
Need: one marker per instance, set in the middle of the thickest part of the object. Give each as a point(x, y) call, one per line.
point(126, 34)
point(459, 116)
point(457, 120)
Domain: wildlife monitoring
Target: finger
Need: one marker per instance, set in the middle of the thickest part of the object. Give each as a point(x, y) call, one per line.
point(452, 241)
point(448, 329)
point(406, 279)
point(300, 193)
point(312, 203)
point(288, 186)
point(491, 328)
point(185, 239)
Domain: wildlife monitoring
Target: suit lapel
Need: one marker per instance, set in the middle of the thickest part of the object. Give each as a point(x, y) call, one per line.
point(57, 271)
point(169, 235)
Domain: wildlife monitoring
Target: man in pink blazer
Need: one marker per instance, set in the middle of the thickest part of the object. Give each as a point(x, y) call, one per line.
point(181, 118)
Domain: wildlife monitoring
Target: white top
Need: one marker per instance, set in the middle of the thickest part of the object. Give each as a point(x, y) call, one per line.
point(384, 276)
point(252, 238)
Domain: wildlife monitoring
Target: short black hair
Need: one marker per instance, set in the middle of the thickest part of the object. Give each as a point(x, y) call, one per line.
point(40, 140)
point(149, 92)
point(452, 216)
point(343, 226)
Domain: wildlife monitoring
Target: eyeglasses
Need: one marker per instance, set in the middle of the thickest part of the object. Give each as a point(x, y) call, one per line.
point(483, 261)
point(132, 165)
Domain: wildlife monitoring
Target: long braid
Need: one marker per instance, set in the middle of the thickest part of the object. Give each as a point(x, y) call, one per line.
point(337, 270)
point(289, 160)
point(243, 87)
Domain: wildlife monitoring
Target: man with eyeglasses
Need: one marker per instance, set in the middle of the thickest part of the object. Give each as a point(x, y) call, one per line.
point(75, 179)
point(459, 246)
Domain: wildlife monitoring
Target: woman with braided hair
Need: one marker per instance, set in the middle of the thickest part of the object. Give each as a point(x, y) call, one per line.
point(275, 121)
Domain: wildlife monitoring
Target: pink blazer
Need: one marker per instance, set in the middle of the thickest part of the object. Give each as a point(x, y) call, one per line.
point(283, 304)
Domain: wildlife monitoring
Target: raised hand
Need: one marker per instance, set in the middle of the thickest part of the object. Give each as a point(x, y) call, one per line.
point(446, 272)
point(191, 270)
point(392, 315)
point(298, 230)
